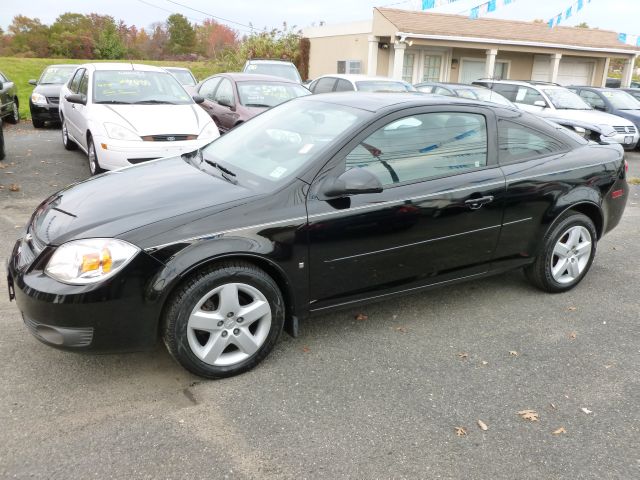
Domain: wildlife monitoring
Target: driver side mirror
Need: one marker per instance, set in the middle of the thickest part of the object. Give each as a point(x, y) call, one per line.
point(226, 101)
point(198, 98)
point(540, 103)
point(76, 98)
point(33, 82)
point(352, 182)
point(600, 108)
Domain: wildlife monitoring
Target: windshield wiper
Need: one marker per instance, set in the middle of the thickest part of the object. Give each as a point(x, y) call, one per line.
point(257, 105)
point(225, 172)
point(114, 102)
point(151, 102)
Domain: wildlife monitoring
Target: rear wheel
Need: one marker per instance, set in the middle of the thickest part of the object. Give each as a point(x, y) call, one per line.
point(15, 113)
point(224, 321)
point(94, 165)
point(567, 254)
point(2, 154)
point(66, 141)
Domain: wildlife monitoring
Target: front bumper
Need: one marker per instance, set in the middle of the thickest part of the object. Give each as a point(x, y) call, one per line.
point(628, 140)
point(112, 316)
point(114, 154)
point(46, 113)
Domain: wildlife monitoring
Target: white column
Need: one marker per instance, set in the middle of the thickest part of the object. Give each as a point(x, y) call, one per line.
point(398, 59)
point(490, 65)
point(555, 67)
point(627, 74)
point(372, 58)
point(605, 72)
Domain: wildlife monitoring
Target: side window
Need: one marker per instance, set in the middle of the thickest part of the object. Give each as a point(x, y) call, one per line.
point(443, 91)
point(224, 93)
point(344, 86)
point(324, 85)
point(208, 87)
point(74, 83)
point(423, 146)
point(517, 142)
point(593, 99)
point(506, 90)
point(528, 96)
point(84, 84)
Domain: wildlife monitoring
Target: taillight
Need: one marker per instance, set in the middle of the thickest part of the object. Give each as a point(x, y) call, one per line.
point(617, 193)
point(626, 166)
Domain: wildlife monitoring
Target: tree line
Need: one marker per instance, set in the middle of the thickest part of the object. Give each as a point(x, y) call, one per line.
point(94, 36)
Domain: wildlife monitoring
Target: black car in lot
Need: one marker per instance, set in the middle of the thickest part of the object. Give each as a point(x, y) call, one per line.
point(322, 202)
point(45, 98)
point(9, 104)
point(2, 151)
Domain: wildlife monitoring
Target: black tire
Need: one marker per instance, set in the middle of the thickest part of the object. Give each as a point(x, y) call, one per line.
point(37, 123)
point(188, 295)
point(92, 156)
point(540, 272)
point(15, 115)
point(66, 141)
point(2, 151)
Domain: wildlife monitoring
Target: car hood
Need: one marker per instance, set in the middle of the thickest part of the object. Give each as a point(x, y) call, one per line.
point(155, 119)
point(120, 201)
point(48, 89)
point(591, 116)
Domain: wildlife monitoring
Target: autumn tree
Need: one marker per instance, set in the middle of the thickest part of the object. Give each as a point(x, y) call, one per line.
point(212, 37)
point(182, 36)
point(29, 37)
point(71, 36)
point(109, 44)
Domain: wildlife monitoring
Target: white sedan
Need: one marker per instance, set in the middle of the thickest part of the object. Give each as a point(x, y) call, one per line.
point(123, 114)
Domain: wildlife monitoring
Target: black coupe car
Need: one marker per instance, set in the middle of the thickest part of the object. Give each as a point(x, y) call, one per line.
point(45, 98)
point(323, 202)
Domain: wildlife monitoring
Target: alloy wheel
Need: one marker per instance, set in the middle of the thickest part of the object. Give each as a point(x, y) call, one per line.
point(571, 254)
point(229, 324)
point(93, 161)
point(16, 113)
point(65, 134)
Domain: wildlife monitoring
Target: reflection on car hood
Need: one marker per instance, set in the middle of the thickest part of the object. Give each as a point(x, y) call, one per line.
point(592, 116)
point(48, 90)
point(112, 204)
point(154, 119)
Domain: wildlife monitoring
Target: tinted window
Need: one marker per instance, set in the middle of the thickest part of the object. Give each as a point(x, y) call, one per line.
point(592, 99)
point(344, 86)
point(517, 142)
point(224, 93)
point(443, 91)
point(506, 90)
point(423, 146)
point(324, 85)
point(75, 81)
point(84, 84)
point(208, 87)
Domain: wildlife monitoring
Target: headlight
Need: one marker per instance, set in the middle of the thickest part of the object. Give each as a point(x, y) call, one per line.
point(118, 132)
point(80, 262)
point(209, 131)
point(38, 99)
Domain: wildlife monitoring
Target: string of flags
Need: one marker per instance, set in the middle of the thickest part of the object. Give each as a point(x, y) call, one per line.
point(567, 13)
point(429, 4)
point(629, 39)
point(488, 7)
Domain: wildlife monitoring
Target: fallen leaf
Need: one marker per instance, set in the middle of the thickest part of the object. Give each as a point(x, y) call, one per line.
point(586, 410)
point(306, 349)
point(482, 425)
point(401, 329)
point(559, 431)
point(485, 362)
point(2, 165)
point(572, 309)
point(573, 335)
point(14, 187)
point(553, 406)
point(513, 353)
point(463, 355)
point(460, 431)
point(608, 366)
point(530, 415)
point(361, 317)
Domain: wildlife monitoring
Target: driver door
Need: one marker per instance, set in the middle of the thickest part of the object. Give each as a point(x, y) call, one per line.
point(438, 218)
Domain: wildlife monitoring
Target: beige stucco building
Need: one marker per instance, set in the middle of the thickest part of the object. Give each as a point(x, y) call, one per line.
point(420, 46)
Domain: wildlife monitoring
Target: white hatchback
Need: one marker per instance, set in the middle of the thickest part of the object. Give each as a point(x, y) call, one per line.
point(122, 114)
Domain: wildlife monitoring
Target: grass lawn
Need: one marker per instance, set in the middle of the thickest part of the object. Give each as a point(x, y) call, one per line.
point(21, 70)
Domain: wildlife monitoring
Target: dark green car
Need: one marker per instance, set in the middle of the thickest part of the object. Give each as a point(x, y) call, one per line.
point(8, 100)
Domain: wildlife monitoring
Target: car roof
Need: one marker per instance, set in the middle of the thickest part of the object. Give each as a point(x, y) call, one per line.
point(353, 77)
point(523, 83)
point(177, 68)
point(252, 77)
point(63, 65)
point(123, 66)
point(268, 60)
point(376, 101)
point(597, 89)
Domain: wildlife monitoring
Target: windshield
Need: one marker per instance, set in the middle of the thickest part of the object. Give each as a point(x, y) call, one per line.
point(284, 70)
point(484, 95)
point(278, 143)
point(383, 86)
point(139, 87)
point(564, 99)
point(183, 76)
point(56, 75)
point(622, 100)
point(268, 94)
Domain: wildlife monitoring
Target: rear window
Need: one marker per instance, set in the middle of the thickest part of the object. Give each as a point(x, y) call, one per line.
point(383, 86)
point(268, 94)
point(284, 70)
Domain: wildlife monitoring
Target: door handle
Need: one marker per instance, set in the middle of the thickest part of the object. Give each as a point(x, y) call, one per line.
point(476, 203)
point(73, 105)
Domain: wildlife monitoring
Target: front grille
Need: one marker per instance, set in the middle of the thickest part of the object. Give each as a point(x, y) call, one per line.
point(53, 100)
point(168, 138)
point(630, 129)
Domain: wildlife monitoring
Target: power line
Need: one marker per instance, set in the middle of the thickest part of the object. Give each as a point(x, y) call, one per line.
point(211, 15)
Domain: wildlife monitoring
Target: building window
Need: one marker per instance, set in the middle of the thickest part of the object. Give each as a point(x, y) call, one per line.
point(432, 67)
point(349, 66)
point(501, 72)
point(407, 68)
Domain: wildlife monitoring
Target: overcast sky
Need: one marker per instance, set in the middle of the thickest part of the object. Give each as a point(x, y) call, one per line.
point(618, 15)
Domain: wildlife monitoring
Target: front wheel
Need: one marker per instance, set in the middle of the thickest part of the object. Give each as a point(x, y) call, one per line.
point(567, 254)
point(94, 165)
point(224, 321)
point(66, 141)
point(15, 113)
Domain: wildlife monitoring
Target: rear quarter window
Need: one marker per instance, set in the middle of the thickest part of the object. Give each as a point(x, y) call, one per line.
point(517, 142)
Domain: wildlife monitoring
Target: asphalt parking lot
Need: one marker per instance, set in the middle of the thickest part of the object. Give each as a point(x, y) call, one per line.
point(374, 398)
